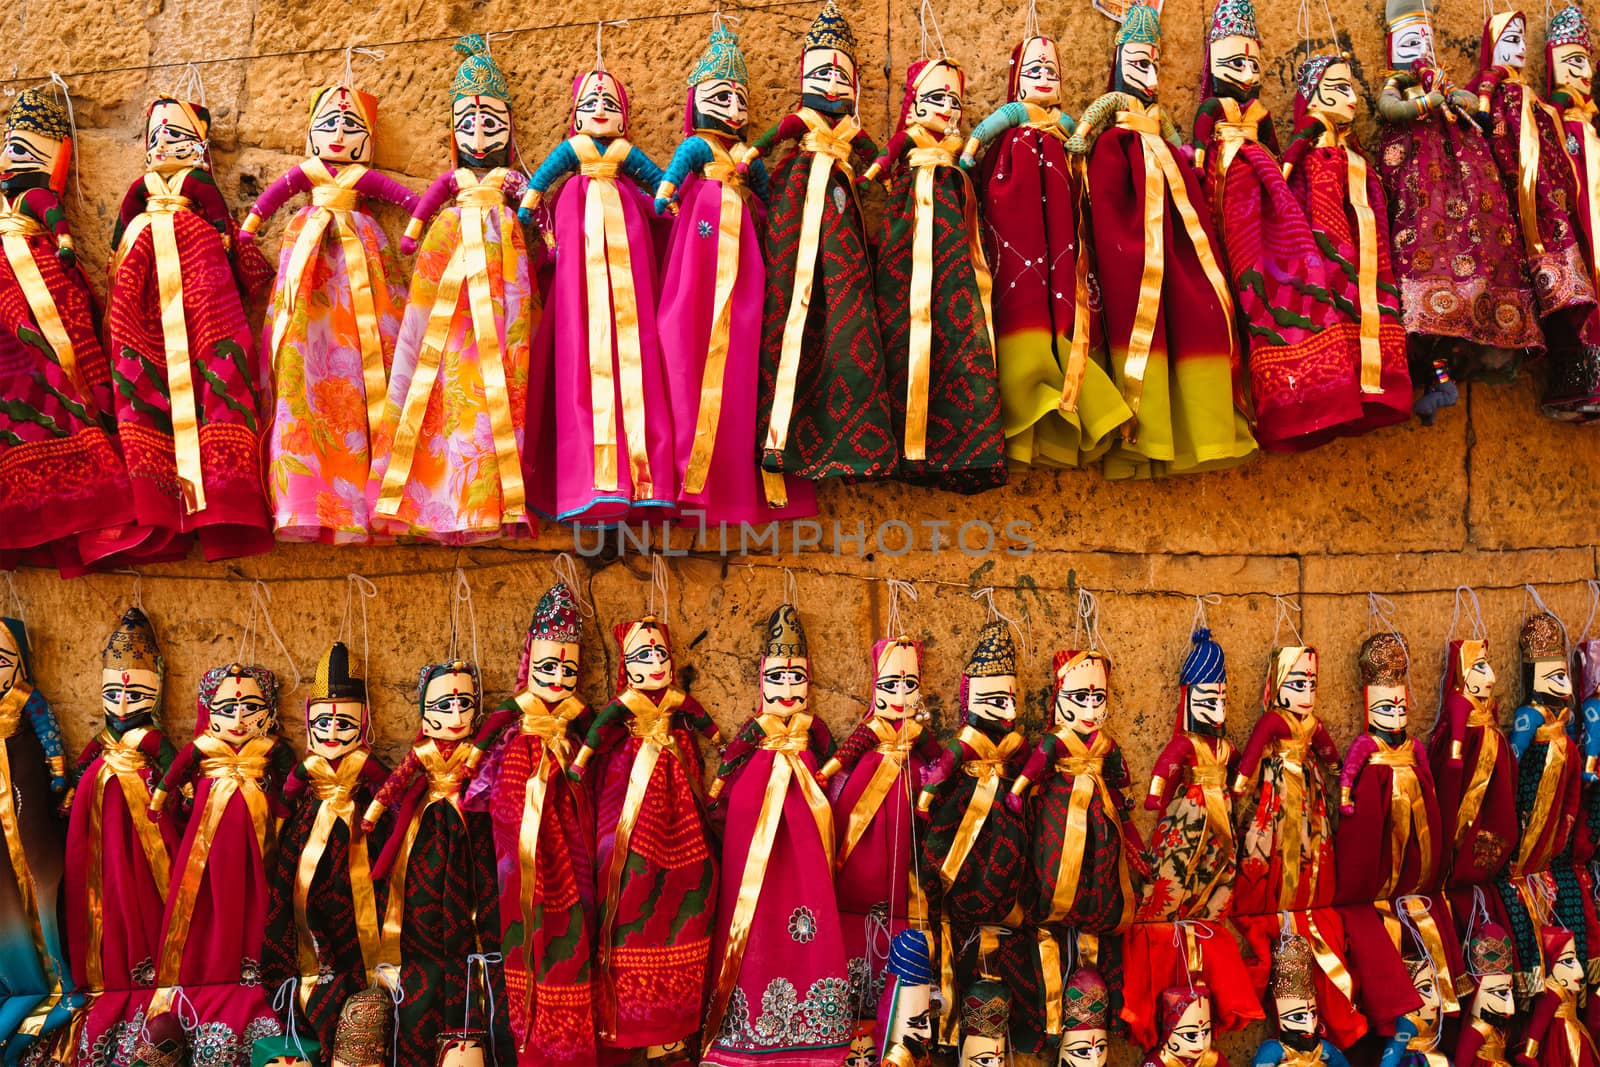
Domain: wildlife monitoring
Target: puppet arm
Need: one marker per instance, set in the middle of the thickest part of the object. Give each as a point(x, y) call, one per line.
point(292, 183)
point(394, 787)
point(442, 189)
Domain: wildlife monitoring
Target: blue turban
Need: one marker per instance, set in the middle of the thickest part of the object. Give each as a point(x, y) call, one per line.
point(1204, 664)
point(909, 959)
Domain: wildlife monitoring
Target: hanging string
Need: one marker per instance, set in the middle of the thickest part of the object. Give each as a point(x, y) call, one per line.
point(1030, 21)
point(1380, 613)
point(660, 584)
point(261, 616)
point(184, 1009)
point(137, 596)
point(14, 600)
point(1410, 925)
point(461, 600)
point(566, 569)
point(389, 975)
point(1476, 922)
point(357, 590)
point(1302, 25)
point(1530, 593)
point(1474, 614)
point(1182, 931)
point(1427, 9)
point(1594, 604)
point(60, 85)
point(350, 52)
point(284, 1002)
point(190, 86)
point(599, 30)
point(1087, 622)
point(1020, 629)
point(925, 16)
point(791, 589)
point(1284, 611)
point(1200, 602)
point(482, 960)
point(897, 589)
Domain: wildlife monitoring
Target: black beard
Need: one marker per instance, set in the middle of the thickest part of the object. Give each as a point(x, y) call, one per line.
point(28, 179)
point(1300, 1040)
point(1496, 1019)
point(1231, 91)
point(702, 121)
point(1205, 729)
point(494, 157)
point(1145, 98)
point(1393, 737)
point(826, 106)
point(1550, 700)
point(118, 727)
point(993, 729)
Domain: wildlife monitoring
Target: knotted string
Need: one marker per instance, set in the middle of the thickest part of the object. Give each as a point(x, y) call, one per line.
point(260, 617)
point(351, 51)
point(1201, 932)
point(1030, 21)
point(1200, 602)
point(897, 589)
point(60, 85)
point(1474, 614)
point(1086, 621)
point(482, 960)
point(191, 87)
point(660, 584)
point(1380, 614)
point(1594, 604)
point(461, 600)
point(1284, 611)
point(566, 569)
point(394, 985)
point(1475, 922)
point(925, 17)
point(599, 30)
point(357, 590)
point(986, 594)
point(184, 1009)
point(285, 1001)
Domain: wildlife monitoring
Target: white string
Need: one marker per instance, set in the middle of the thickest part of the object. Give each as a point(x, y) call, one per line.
point(189, 86)
point(360, 590)
point(389, 975)
point(1020, 629)
point(1030, 21)
point(1427, 9)
point(188, 1019)
point(1333, 29)
point(284, 1001)
point(1284, 612)
point(1474, 613)
point(349, 81)
point(1380, 612)
point(1529, 592)
point(261, 615)
point(599, 28)
point(60, 85)
point(791, 589)
point(1475, 923)
point(897, 589)
point(137, 595)
point(461, 598)
point(566, 569)
point(925, 16)
point(1201, 932)
point(660, 584)
point(482, 959)
point(1087, 622)
point(1200, 602)
point(1302, 25)
point(15, 599)
point(1594, 604)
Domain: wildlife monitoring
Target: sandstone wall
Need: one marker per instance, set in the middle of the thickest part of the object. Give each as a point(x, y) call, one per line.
point(1492, 496)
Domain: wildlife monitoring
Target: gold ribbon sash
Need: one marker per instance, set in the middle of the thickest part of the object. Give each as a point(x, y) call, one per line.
point(336, 788)
point(1078, 355)
point(1292, 752)
point(467, 267)
point(894, 746)
point(445, 775)
point(1238, 128)
point(1492, 1051)
point(730, 222)
point(1408, 812)
point(1162, 178)
point(1538, 839)
point(1482, 770)
point(1527, 168)
point(1576, 1036)
point(11, 706)
point(1210, 774)
point(120, 758)
point(786, 740)
point(1328, 960)
point(829, 145)
point(1432, 941)
point(231, 773)
point(1050, 967)
point(1584, 116)
point(988, 767)
point(334, 198)
point(1371, 321)
point(15, 230)
point(1085, 763)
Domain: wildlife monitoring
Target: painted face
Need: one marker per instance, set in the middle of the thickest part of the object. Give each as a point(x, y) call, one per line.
point(1410, 43)
point(1039, 75)
point(1427, 987)
point(913, 1017)
point(1494, 996)
point(1550, 677)
point(992, 699)
point(1191, 1037)
point(1298, 693)
point(722, 105)
point(339, 131)
point(11, 670)
point(1297, 1015)
point(1236, 67)
point(649, 661)
point(1572, 68)
point(129, 696)
point(1566, 971)
point(897, 691)
point(983, 1052)
point(937, 107)
point(482, 132)
point(335, 727)
point(1479, 679)
point(598, 112)
point(460, 1052)
point(863, 1051)
point(449, 706)
point(1511, 50)
point(1208, 703)
point(1336, 95)
point(1388, 707)
point(171, 140)
point(828, 81)
point(288, 1061)
point(1141, 70)
point(1085, 697)
point(785, 685)
point(552, 670)
point(239, 711)
point(1083, 1048)
point(30, 152)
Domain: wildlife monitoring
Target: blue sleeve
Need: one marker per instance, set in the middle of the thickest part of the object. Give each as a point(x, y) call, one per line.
point(1332, 1056)
point(1270, 1054)
point(642, 169)
point(1527, 720)
point(562, 161)
point(45, 727)
point(691, 155)
point(759, 179)
point(1005, 117)
point(1404, 1031)
point(1591, 727)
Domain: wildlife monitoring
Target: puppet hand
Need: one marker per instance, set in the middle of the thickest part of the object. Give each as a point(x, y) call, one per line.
point(663, 205)
point(1014, 803)
point(968, 161)
point(67, 256)
point(408, 246)
point(1347, 809)
point(367, 826)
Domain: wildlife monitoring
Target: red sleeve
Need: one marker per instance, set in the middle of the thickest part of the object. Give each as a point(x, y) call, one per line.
point(1038, 765)
point(208, 202)
point(182, 766)
point(394, 788)
point(1119, 780)
point(700, 719)
point(1538, 1028)
point(1322, 744)
point(928, 746)
point(292, 183)
point(42, 204)
point(860, 741)
point(1267, 729)
point(821, 741)
point(293, 786)
point(1169, 765)
point(374, 773)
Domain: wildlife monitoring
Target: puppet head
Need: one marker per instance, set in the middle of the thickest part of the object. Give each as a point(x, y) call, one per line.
point(1233, 52)
point(480, 109)
point(131, 671)
point(549, 667)
point(176, 136)
point(1035, 76)
point(1137, 66)
point(985, 1018)
point(1384, 665)
point(1468, 671)
point(1505, 41)
point(361, 1038)
point(1489, 961)
point(13, 655)
point(785, 665)
point(450, 700)
point(1425, 980)
point(344, 125)
point(646, 648)
point(296, 1051)
point(1410, 32)
point(905, 1010)
point(462, 1048)
point(989, 683)
point(1085, 1009)
point(1203, 687)
point(1563, 969)
point(719, 88)
point(1294, 996)
point(932, 100)
point(828, 64)
point(863, 1047)
point(164, 1042)
point(1545, 677)
point(1185, 1014)
point(599, 106)
point(1326, 86)
point(238, 703)
point(1292, 680)
point(1081, 690)
point(1569, 54)
point(896, 678)
point(337, 718)
point(38, 138)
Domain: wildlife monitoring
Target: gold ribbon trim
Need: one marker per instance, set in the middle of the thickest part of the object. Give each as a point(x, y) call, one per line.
point(1408, 812)
point(1530, 855)
point(988, 766)
point(1050, 968)
point(730, 221)
point(894, 746)
point(1078, 355)
point(1478, 784)
point(468, 267)
point(120, 758)
point(1576, 1035)
point(1367, 267)
point(445, 775)
point(1528, 169)
point(1292, 752)
point(1210, 773)
point(1492, 1051)
point(1584, 117)
point(608, 269)
point(11, 706)
point(1328, 960)
point(1237, 129)
point(15, 229)
point(1085, 763)
point(336, 788)
point(1432, 941)
point(231, 773)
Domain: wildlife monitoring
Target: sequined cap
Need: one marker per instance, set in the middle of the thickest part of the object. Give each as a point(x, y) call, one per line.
point(1292, 965)
point(1085, 1002)
point(1309, 76)
point(333, 680)
point(37, 111)
point(1489, 951)
point(132, 645)
point(995, 653)
point(361, 1037)
point(786, 638)
point(1542, 638)
point(556, 618)
point(1205, 664)
point(1383, 660)
point(986, 1009)
point(1141, 25)
point(1176, 1000)
point(830, 29)
point(1568, 26)
point(163, 1043)
point(479, 74)
point(723, 60)
point(1234, 18)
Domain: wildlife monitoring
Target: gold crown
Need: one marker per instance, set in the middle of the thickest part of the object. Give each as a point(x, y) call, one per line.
point(1542, 638)
point(1383, 660)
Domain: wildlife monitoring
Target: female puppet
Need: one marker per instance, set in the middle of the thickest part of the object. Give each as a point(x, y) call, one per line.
point(119, 859)
point(1574, 382)
point(1473, 772)
point(188, 415)
point(656, 872)
point(712, 287)
point(1482, 1041)
point(442, 903)
point(1528, 142)
point(1300, 1042)
point(605, 444)
point(1057, 404)
point(37, 996)
point(1083, 834)
point(1553, 1035)
point(873, 811)
point(331, 324)
point(1179, 373)
point(1389, 830)
point(1417, 1035)
point(824, 412)
point(215, 919)
point(779, 940)
point(944, 399)
point(1337, 188)
point(544, 842)
point(461, 356)
point(325, 911)
point(1186, 1030)
point(62, 479)
point(1296, 333)
point(1466, 301)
